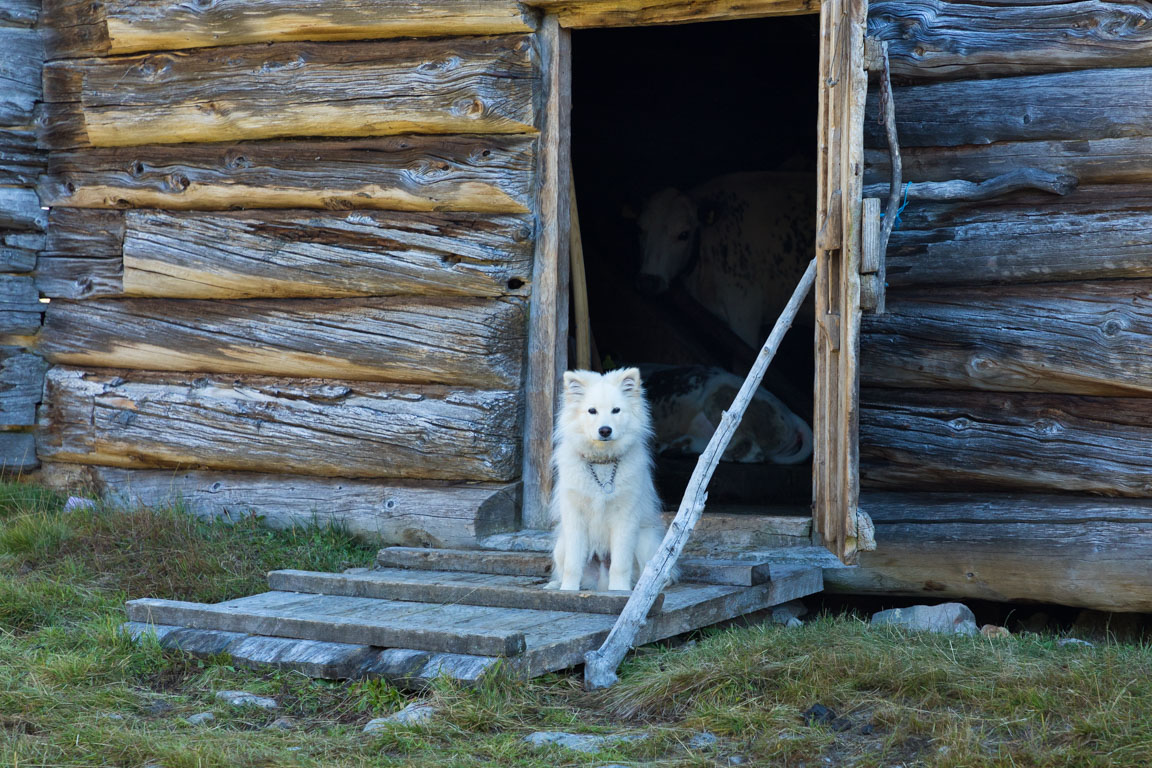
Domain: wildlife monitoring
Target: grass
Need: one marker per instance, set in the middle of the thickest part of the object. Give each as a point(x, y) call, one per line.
point(74, 693)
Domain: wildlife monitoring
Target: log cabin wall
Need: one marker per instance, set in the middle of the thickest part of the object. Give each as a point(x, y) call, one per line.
point(1006, 419)
point(289, 257)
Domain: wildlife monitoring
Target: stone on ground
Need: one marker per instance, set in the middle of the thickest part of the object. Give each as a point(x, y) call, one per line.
point(201, 718)
point(702, 740)
point(992, 630)
point(789, 613)
point(413, 714)
point(947, 618)
point(1074, 641)
point(580, 742)
point(245, 699)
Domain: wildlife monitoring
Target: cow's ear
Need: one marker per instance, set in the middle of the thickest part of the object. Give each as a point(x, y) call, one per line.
point(574, 385)
point(630, 380)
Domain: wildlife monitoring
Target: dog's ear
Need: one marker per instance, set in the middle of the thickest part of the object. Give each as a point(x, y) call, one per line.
point(630, 380)
point(573, 384)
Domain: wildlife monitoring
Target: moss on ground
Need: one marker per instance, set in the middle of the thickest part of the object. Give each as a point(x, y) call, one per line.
point(74, 693)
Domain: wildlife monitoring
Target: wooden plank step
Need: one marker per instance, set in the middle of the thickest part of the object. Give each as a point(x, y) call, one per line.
point(742, 572)
point(441, 587)
point(336, 619)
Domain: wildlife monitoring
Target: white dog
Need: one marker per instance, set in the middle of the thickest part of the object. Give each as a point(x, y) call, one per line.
point(604, 504)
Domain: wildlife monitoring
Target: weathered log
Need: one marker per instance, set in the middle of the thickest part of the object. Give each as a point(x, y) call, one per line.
point(20, 309)
point(20, 68)
point(1075, 338)
point(20, 209)
point(21, 163)
point(399, 512)
point(971, 441)
point(20, 13)
point(937, 39)
point(17, 453)
point(63, 277)
point(84, 28)
point(1095, 232)
point(301, 426)
point(83, 254)
point(1090, 104)
point(456, 85)
point(1092, 161)
point(634, 13)
point(1086, 552)
point(270, 254)
point(21, 382)
point(472, 342)
point(971, 191)
point(16, 259)
point(488, 174)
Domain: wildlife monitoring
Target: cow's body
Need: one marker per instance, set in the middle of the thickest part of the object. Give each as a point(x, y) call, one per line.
point(741, 242)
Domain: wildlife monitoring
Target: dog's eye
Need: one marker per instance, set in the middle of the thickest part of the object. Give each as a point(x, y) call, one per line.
point(592, 411)
point(615, 410)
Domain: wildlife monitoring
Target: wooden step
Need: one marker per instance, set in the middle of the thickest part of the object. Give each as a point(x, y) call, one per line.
point(743, 572)
point(440, 587)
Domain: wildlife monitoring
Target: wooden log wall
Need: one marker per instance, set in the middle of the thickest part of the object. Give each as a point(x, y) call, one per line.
point(22, 232)
point(1012, 361)
point(290, 258)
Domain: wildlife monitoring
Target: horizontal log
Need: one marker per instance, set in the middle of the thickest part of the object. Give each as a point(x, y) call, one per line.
point(273, 254)
point(456, 85)
point(20, 68)
point(487, 174)
point(21, 163)
point(1090, 104)
point(63, 277)
point(20, 309)
point(406, 513)
point(937, 39)
point(17, 453)
point(473, 342)
point(1091, 553)
point(83, 254)
point(22, 13)
point(21, 383)
point(16, 259)
point(83, 28)
point(297, 426)
point(20, 209)
point(635, 13)
point(939, 440)
point(1090, 161)
point(1075, 338)
point(1094, 232)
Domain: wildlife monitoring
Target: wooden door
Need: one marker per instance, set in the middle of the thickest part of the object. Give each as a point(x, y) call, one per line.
point(843, 87)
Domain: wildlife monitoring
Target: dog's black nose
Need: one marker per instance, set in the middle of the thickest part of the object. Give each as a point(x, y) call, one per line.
point(650, 285)
point(605, 432)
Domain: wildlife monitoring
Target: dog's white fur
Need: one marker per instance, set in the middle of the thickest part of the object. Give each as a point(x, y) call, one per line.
point(607, 528)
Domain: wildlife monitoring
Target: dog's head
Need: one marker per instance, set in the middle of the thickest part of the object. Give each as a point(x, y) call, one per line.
point(607, 410)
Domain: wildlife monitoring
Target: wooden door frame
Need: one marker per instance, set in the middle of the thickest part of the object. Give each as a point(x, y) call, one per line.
point(548, 315)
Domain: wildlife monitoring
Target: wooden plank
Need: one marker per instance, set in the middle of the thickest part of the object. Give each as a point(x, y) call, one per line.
point(336, 619)
point(20, 68)
point(487, 174)
point(300, 426)
point(937, 39)
point(17, 259)
point(442, 587)
point(416, 514)
point(20, 308)
point(128, 26)
point(20, 209)
point(1095, 232)
point(548, 335)
point(1075, 338)
point(1086, 552)
point(706, 570)
point(1092, 161)
point(1089, 104)
point(21, 383)
point(476, 85)
point(271, 254)
point(471, 342)
point(925, 440)
point(63, 277)
point(17, 452)
point(20, 161)
point(635, 13)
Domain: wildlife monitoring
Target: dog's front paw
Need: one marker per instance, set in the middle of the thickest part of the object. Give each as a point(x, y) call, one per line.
point(553, 584)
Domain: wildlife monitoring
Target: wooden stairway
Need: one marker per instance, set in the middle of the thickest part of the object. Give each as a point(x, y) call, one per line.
point(424, 612)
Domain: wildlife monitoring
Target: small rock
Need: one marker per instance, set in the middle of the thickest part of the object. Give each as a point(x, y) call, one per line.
point(818, 714)
point(158, 707)
point(1074, 641)
point(413, 714)
point(702, 740)
point(581, 742)
point(76, 503)
point(281, 724)
point(991, 630)
point(867, 729)
point(245, 699)
point(737, 760)
point(114, 716)
point(201, 718)
point(789, 613)
point(948, 618)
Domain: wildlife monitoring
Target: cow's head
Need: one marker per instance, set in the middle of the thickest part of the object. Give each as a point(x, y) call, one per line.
point(667, 235)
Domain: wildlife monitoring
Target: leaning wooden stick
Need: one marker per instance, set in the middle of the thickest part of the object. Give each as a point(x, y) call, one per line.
point(600, 665)
point(888, 120)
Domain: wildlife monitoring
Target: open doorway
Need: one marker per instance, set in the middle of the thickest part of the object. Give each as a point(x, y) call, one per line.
point(725, 113)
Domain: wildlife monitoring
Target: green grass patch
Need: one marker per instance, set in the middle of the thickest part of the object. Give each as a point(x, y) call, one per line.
point(73, 692)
